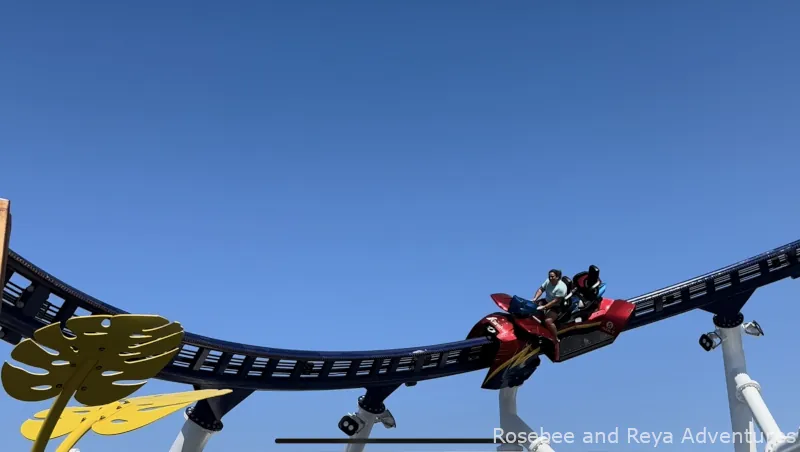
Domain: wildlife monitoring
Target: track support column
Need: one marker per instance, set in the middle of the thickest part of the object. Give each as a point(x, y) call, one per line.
point(193, 437)
point(744, 394)
point(729, 330)
point(510, 422)
point(371, 410)
point(204, 419)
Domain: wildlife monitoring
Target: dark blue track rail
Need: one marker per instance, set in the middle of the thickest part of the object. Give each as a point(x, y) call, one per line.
point(33, 298)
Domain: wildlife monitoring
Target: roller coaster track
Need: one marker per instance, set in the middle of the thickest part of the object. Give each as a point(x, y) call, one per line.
point(42, 299)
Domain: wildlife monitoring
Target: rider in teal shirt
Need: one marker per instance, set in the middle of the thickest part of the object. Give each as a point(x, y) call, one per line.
point(554, 291)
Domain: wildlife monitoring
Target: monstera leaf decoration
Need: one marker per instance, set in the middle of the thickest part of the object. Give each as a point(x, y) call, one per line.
point(115, 418)
point(98, 352)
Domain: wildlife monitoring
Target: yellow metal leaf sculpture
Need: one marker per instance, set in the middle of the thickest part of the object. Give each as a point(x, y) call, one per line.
point(101, 351)
point(115, 418)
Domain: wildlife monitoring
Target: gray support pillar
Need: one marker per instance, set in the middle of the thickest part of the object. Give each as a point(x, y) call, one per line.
point(204, 419)
point(192, 437)
point(371, 410)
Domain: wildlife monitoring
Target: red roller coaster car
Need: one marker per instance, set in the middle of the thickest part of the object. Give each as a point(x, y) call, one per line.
point(589, 321)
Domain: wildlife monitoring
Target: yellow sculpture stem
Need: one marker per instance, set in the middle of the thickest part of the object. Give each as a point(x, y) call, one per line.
point(67, 391)
point(86, 425)
point(77, 434)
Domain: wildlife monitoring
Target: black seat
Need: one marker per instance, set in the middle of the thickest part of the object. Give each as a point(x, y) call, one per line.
point(566, 305)
point(593, 278)
point(568, 282)
point(585, 284)
point(588, 283)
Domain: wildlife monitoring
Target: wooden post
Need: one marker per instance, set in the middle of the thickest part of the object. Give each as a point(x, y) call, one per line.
point(5, 238)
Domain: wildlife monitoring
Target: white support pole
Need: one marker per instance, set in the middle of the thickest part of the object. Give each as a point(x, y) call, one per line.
point(744, 398)
point(790, 444)
point(733, 358)
point(510, 422)
point(192, 437)
point(749, 392)
point(369, 420)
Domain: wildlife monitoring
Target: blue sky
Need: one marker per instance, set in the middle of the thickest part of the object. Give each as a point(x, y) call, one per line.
point(349, 175)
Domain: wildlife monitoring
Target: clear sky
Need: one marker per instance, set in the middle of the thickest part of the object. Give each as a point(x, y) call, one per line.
point(357, 175)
